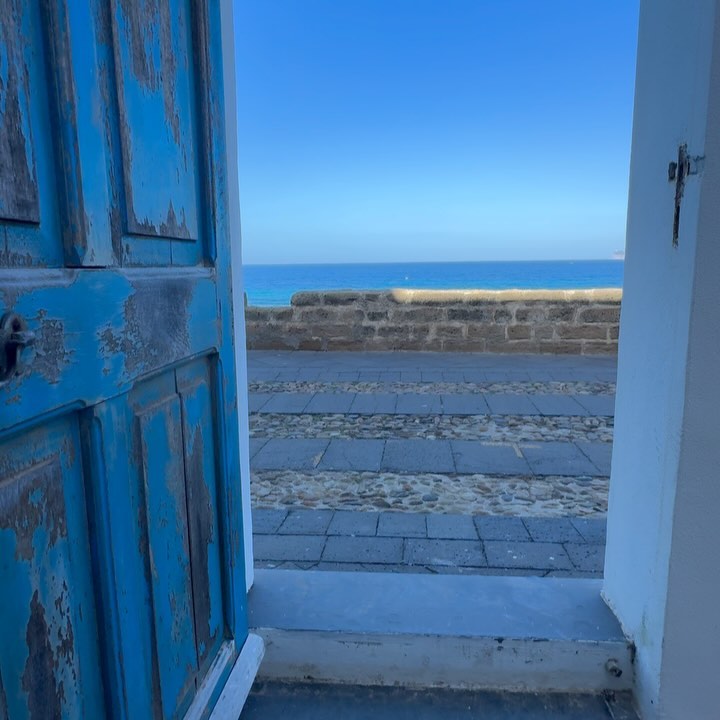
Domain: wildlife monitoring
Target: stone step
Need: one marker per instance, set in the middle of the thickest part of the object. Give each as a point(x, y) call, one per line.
point(309, 701)
point(421, 631)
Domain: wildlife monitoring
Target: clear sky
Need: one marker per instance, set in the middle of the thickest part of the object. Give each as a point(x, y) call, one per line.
point(427, 130)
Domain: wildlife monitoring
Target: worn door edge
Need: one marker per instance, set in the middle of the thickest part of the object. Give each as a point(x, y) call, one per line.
point(237, 687)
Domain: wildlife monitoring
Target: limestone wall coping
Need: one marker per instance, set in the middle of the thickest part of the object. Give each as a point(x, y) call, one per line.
point(435, 297)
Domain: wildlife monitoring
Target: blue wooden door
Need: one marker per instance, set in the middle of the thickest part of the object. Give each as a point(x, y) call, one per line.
point(121, 562)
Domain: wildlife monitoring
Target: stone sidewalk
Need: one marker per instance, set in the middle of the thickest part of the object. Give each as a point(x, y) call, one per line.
point(431, 462)
point(419, 542)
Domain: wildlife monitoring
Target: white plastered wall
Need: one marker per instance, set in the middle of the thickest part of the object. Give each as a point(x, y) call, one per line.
point(662, 569)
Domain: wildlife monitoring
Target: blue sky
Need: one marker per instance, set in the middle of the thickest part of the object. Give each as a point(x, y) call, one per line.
point(427, 130)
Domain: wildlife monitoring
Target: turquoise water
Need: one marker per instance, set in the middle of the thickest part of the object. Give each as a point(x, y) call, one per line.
point(275, 284)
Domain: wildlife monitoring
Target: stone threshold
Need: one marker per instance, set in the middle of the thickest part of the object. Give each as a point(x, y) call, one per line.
point(442, 631)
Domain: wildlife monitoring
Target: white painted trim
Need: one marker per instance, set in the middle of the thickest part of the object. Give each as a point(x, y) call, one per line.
point(231, 700)
point(424, 661)
point(203, 698)
point(231, 144)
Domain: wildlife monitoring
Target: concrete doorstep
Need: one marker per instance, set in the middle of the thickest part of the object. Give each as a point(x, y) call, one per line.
point(441, 631)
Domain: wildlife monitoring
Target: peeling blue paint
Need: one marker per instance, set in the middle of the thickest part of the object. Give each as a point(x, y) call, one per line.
point(120, 505)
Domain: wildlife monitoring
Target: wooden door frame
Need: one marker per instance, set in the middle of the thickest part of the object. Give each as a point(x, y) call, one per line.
point(238, 289)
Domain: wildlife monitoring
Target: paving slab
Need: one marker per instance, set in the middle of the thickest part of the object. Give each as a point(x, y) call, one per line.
point(451, 527)
point(267, 521)
point(453, 376)
point(351, 522)
point(329, 403)
point(590, 558)
point(474, 376)
point(388, 376)
point(288, 547)
point(558, 405)
point(557, 458)
point(363, 549)
point(522, 366)
point(501, 404)
point(399, 524)
point(593, 530)
point(373, 404)
point(539, 556)
point(472, 456)
point(287, 403)
point(290, 454)
point(257, 400)
point(256, 444)
point(493, 527)
point(287, 375)
point(362, 455)
point(331, 375)
point(259, 374)
point(507, 375)
point(306, 374)
point(556, 530)
point(418, 404)
point(455, 553)
point(418, 456)
point(306, 522)
point(600, 454)
point(464, 404)
point(597, 404)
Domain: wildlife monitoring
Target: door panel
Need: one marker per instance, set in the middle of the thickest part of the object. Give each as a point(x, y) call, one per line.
point(79, 55)
point(19, 193)
point(159, 440)
point(200, 453)
point(49, 656)
point(126, 286)
point(28, 211)
point(159, 477)
point(157, 57)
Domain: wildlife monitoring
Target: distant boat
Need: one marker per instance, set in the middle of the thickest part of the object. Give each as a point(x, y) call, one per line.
point(618, 255)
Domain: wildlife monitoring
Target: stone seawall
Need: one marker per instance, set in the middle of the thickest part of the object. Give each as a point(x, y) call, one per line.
point(527, 321)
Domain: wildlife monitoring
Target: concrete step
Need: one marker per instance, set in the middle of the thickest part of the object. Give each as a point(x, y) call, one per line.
point(442, 631)
point(272, 700)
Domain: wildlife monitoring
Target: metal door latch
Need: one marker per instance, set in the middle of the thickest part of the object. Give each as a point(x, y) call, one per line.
point(678, 172)
point(14, 336)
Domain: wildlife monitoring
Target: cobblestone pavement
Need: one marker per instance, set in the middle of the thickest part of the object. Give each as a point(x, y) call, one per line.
point(427, 462)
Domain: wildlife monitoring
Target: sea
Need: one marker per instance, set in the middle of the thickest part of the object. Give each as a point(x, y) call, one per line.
point(276, 284)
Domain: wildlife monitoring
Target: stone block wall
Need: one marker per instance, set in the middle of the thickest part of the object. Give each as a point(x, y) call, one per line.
point(527, 321)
